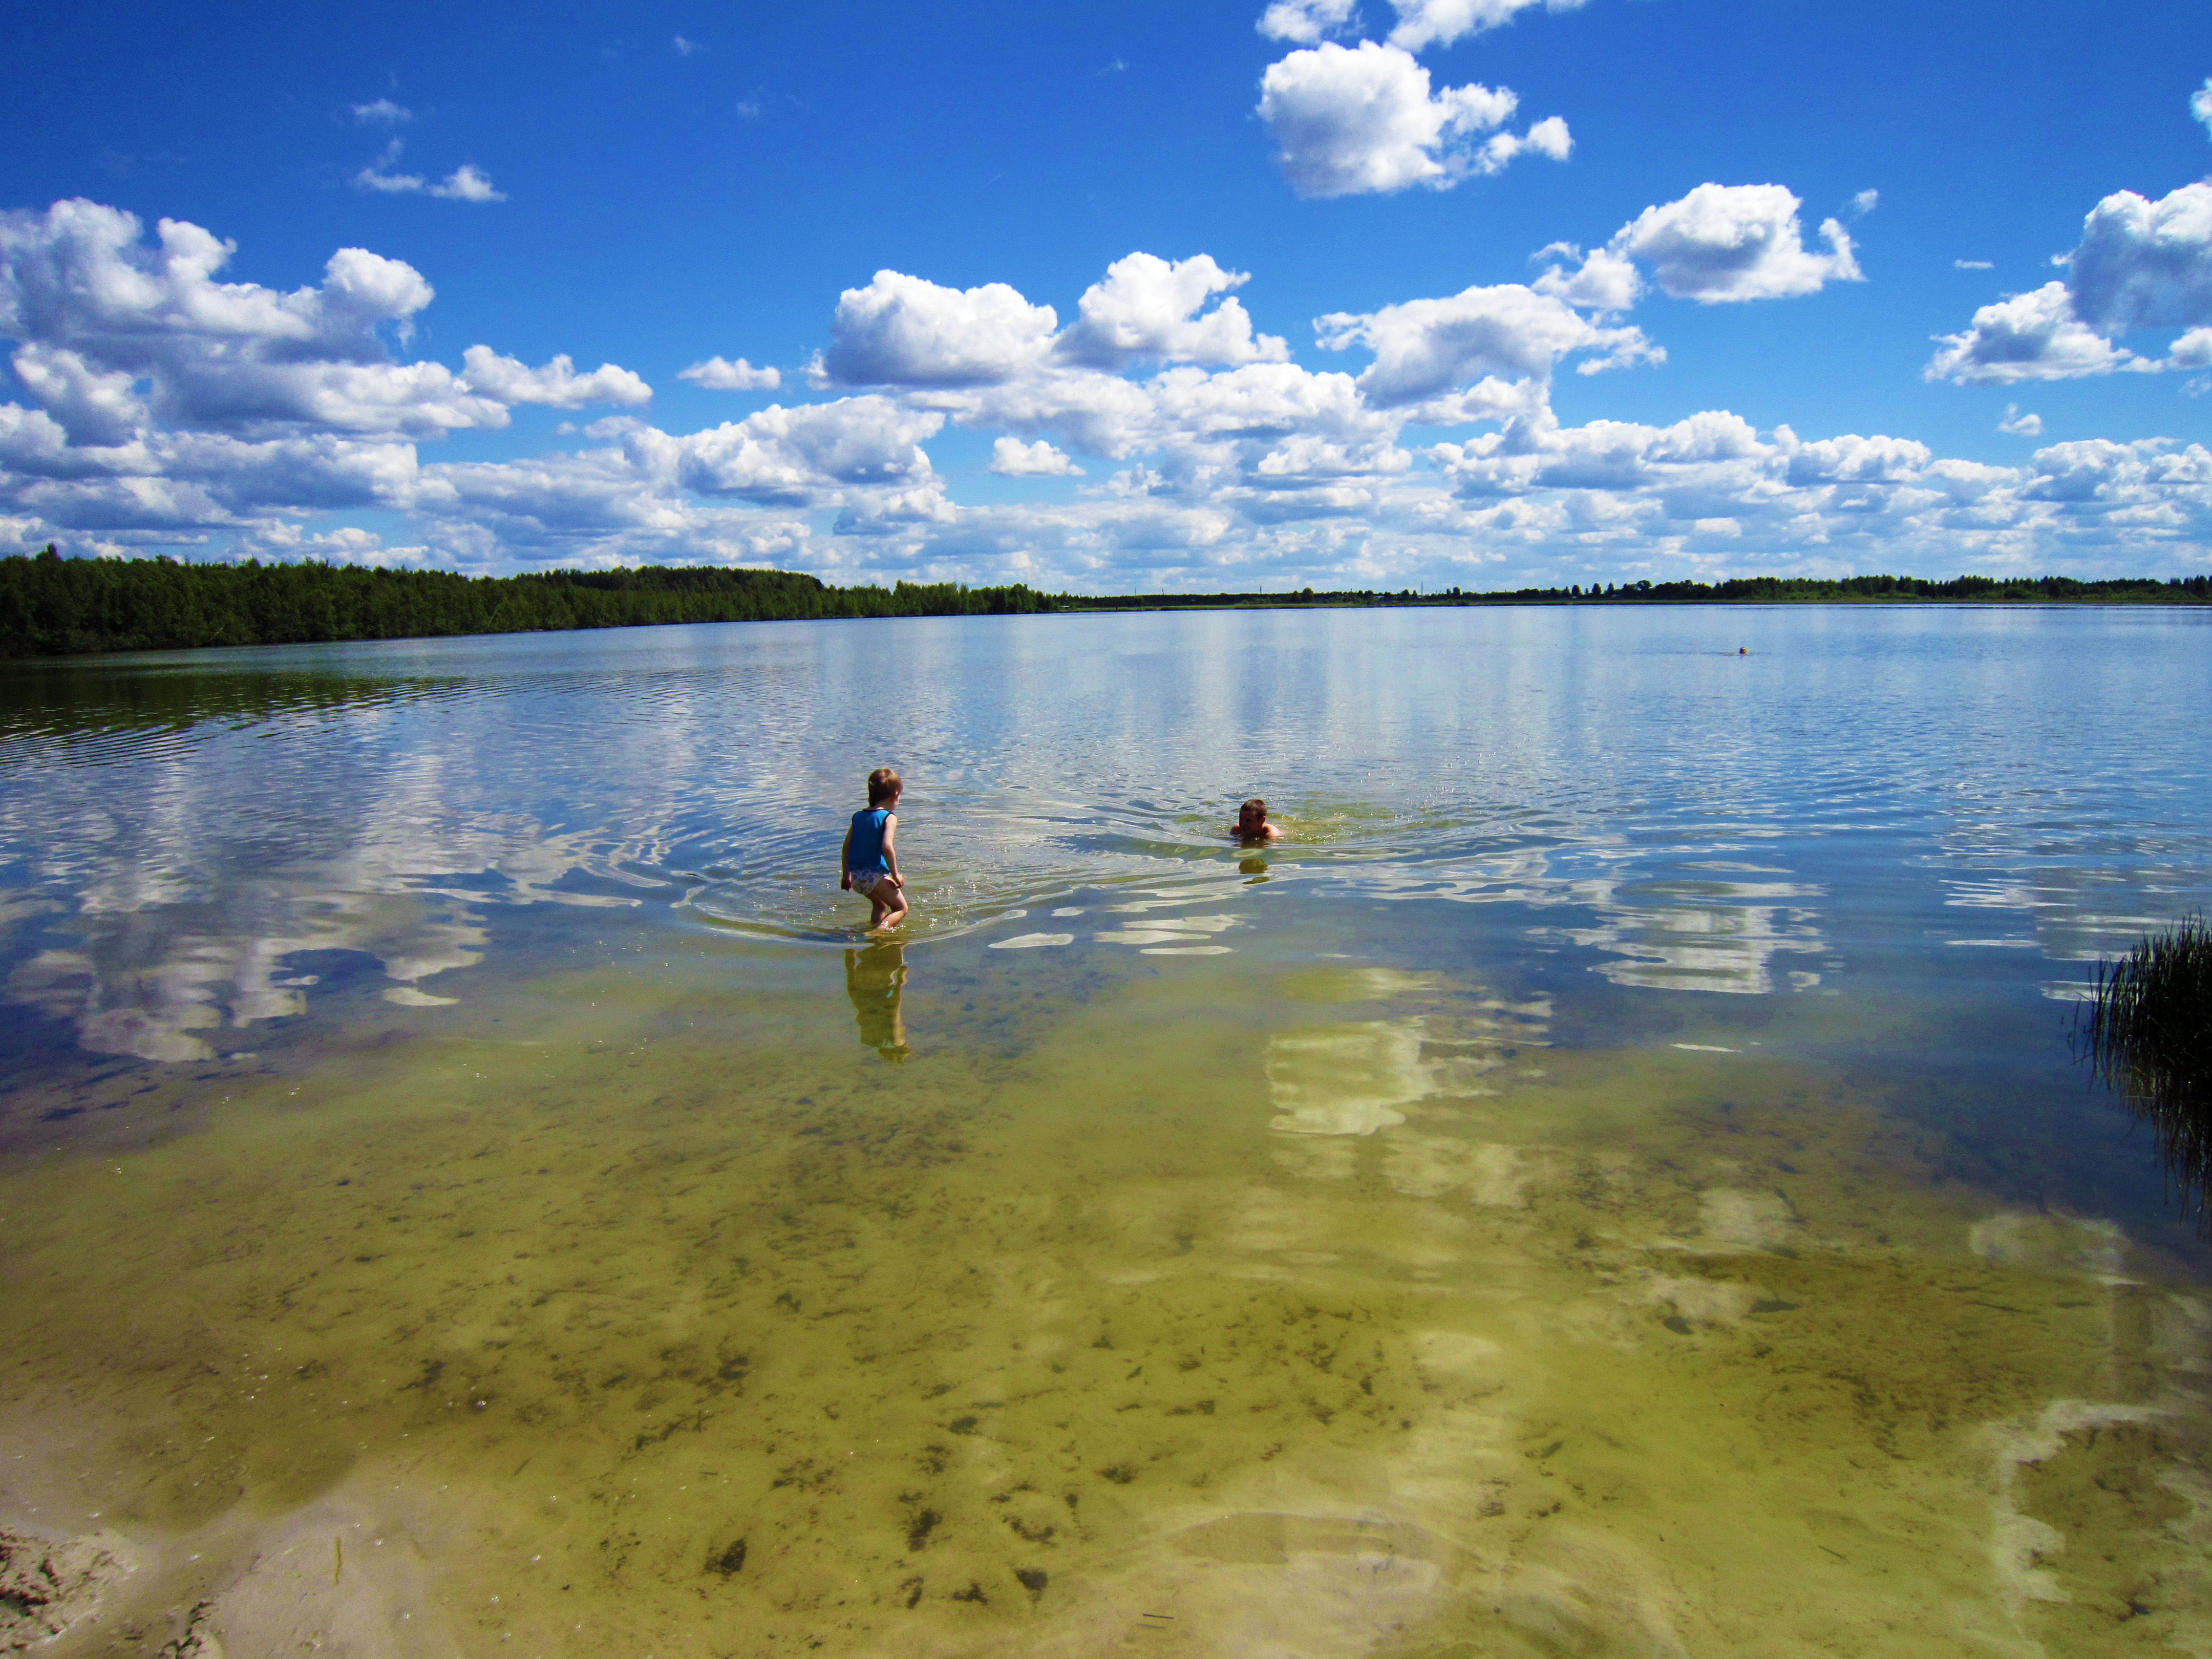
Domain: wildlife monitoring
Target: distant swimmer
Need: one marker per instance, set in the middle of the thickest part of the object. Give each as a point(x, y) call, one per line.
point(1252, 824)
point(1743, 651)
point(868, 863)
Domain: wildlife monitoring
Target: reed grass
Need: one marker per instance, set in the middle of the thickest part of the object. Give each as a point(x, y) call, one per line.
point(2148, 1033)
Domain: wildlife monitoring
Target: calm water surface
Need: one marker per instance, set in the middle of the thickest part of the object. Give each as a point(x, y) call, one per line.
point(1613, 1180)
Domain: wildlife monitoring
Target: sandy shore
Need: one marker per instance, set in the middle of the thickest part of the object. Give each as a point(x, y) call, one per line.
point(351, 1573)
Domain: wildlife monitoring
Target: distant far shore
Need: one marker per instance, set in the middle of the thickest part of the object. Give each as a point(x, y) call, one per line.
point(50, 607)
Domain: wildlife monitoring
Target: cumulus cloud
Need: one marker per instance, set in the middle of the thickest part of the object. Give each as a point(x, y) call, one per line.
point(2030, 336)
point(1863, 204)
point(1423, 23)
point(1351, 119)
point(2139, 265)
point(903, 330)
point(382, 113)
point(236, 356)
point(788, 456)
point(464, 184)
point(160, 405)
point(1013, 458)
point(1548, 137)
point(2192, 350)
point(717, 374)
point(1731, 242)
point(2143, 264)
point(1306, 21)
point(1602, 281)
point(557, 384)
point(1148, 308)
point(1424, 348)
point(2020, 425)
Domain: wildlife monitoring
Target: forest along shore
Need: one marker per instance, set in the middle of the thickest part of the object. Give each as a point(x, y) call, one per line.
point(52, 607)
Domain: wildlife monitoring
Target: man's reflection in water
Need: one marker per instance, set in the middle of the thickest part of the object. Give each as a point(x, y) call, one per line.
point(1256, 867)
point(875, 978)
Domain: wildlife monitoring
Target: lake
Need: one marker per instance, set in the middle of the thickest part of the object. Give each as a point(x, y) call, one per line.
point(1615, 1179)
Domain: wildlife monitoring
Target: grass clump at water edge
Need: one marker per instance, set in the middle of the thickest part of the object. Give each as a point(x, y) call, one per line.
point(2149, 1037)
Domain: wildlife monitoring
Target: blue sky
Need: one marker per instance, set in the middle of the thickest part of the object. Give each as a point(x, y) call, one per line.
point(1886, 287)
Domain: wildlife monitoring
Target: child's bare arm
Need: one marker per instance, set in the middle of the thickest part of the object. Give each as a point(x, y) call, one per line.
point(845, 862)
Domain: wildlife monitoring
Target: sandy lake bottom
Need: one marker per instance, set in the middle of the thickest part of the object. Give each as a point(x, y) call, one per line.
point(1323, 1311)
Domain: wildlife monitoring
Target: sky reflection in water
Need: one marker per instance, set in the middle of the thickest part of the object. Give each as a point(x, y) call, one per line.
point(1683, 818)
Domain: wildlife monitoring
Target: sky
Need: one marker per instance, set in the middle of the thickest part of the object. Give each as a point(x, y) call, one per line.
point(1260, 295)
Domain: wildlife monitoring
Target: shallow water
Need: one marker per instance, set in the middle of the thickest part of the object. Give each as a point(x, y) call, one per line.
point(1614, 1180)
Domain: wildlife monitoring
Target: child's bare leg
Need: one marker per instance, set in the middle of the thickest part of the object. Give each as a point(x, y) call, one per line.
point(889, 900)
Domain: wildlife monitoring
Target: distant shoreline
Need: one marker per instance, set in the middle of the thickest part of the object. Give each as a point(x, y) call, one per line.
point(53, 607)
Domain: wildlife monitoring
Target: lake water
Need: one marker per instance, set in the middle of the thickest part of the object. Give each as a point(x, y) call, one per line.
point(1613, 1180)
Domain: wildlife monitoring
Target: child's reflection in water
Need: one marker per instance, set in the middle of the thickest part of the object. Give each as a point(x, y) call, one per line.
point(875, 978)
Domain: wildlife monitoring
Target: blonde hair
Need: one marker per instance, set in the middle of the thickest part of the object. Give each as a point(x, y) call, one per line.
point(883, 784)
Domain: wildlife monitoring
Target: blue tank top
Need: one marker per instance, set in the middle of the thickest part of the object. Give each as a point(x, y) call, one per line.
point(865, 855)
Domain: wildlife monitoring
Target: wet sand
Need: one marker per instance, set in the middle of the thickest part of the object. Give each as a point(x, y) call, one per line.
point(1316, 1311)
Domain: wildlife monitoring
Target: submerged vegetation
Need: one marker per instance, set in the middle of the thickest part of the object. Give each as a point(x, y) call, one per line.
point(2149, 1036)
point(52, 607)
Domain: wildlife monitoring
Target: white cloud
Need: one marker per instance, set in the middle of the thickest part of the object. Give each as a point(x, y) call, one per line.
point(2200, 103)
point(2030, 336)
point(1013, 458)
point(464, 184)
point(171, 408)
point(2143, 264)
point(717, 374)
point(1605, 281)
point(1863, 204)
point(2192, 350)
point(1424, 23)
point(1147, 308)
point(232, 356)
point(97, 408)
point(685, 48)
point(2020, 425)
point(383, 112)
point(1972, 264)
point(903, 330)
point(2140, 263)
point(379, 176)
point(790, 455)
point(557, 384)
point(1855, 459)
point(1728, 242)
point(1424, 348)
point(1351, 119)
point(1306, 23)
point(1548, 137)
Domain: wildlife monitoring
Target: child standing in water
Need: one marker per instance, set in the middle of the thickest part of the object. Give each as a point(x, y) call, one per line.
point(868, 863)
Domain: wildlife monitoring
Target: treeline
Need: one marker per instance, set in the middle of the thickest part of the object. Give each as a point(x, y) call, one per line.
point(52, 606)
point(1766, 590)
point(1782, 590)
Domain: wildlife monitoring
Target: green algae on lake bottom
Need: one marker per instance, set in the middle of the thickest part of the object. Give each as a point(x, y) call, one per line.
point(1320, 1310)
